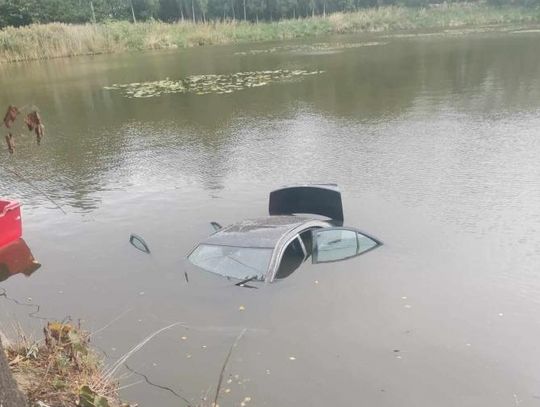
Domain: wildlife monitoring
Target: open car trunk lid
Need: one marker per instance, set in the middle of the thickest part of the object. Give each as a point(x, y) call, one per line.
point(320, 199)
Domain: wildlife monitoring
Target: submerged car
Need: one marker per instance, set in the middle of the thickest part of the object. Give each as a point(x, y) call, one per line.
point(304, 221)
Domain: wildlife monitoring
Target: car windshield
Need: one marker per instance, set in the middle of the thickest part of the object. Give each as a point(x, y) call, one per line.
point(236, 262)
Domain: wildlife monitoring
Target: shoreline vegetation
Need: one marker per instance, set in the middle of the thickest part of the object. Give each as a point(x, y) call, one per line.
point(56, 40)
point(61, 369)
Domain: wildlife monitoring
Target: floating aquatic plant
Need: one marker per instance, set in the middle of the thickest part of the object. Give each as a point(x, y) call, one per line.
point(259, 51)
point(205, 84)
point(320, 46)
point(338, 46)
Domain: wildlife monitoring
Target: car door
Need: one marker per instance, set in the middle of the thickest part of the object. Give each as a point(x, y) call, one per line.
point(339, 243)
point(293, 257)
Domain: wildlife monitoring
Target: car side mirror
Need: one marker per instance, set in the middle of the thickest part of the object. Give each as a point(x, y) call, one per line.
point(216, 226)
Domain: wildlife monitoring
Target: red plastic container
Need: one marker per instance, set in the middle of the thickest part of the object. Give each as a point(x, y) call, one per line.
point(10, 221)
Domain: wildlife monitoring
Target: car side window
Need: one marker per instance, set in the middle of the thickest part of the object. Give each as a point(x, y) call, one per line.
point(293, 257)
point(334, 244)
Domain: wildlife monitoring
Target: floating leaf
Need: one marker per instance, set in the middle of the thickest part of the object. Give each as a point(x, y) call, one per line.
point(206, 84)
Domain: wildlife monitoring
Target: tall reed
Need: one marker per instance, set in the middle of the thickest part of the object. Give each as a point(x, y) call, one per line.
point(63, 40)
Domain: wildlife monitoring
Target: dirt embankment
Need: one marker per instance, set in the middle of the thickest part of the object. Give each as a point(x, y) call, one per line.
point(59, 370)
point(10, 395)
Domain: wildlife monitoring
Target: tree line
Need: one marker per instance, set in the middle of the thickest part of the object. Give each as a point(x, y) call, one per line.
point(23, 12)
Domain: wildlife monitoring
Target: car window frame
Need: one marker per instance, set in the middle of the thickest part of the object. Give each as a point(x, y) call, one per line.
point(286, 239)
point(314, 250)
point(304, 256)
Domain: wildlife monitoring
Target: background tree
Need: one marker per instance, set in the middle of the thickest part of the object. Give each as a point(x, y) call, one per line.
point(15, 13)
point(255, 9)
point(23, 12)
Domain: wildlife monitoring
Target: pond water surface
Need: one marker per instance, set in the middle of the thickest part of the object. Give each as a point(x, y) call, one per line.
point(435, 143)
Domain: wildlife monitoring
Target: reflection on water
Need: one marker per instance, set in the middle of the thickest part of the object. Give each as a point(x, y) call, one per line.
point(17, 258)
point(311, 48)
point(99, 141)
point(434, 143)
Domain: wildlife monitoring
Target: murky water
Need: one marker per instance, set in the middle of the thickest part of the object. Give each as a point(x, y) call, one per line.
point(435, 143)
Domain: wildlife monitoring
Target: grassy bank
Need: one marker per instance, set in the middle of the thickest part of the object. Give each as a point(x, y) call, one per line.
point(62, 40)
point(61, 370)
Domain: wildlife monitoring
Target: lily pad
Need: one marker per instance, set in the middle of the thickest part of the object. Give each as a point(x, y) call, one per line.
point(206, 84)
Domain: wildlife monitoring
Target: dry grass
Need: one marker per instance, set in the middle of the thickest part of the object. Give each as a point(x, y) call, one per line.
point(61, 370)
point(64, 40)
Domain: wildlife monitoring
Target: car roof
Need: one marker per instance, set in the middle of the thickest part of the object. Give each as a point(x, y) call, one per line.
point(261, 232)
